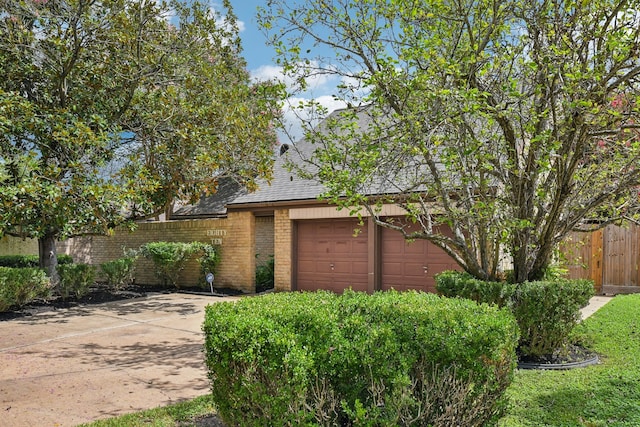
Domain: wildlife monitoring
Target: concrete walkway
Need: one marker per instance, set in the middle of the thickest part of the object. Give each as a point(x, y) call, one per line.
point(68, 367)
point(595, 304)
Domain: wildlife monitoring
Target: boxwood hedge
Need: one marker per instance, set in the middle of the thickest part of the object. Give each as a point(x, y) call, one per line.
point(546, 311)
point(19, 286)
point(29, 261)
point(356, 359)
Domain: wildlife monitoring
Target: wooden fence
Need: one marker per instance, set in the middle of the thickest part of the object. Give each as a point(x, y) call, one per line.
point(610, 257)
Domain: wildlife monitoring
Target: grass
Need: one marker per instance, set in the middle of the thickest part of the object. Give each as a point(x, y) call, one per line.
point(182, 414)
point(604, 395)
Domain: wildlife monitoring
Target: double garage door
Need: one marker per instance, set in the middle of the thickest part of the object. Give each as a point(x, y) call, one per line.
point(331, 256)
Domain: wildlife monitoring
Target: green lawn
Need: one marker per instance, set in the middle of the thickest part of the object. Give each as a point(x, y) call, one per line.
point(604, 395)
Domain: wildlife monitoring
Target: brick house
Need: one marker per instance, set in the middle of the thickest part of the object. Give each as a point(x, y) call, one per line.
point(315, 246)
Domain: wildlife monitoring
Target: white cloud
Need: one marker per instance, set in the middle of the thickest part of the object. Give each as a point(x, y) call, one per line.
point(320, 81)
point(266, 73)
point(220, 19)
point(294, 116)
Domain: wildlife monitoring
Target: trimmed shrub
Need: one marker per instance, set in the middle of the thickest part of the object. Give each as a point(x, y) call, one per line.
point(19, 286)
point(29, 261)
point(461, 284)
point(546, 311)
point(169, 258)
point(119, 272)
point(208, 261)
point(356, 359)
point(75, 280)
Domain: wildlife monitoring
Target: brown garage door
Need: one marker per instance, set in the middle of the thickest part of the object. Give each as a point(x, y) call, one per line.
point(330, 257)
point(411, 265)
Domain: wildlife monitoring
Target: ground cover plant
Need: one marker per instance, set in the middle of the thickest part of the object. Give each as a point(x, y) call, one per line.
point(355, 359)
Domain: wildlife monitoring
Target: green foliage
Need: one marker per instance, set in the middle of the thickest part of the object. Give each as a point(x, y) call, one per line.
point(19, 286)
point(188, 413)
point(606, 394)
point(546, 311)
point(511, 122)
point(120, 272)
point(357, 359)
point(109, 112)
point(29, 261)
point(209, 261)
point(461, 284)
point(265, 275)
point(75, 280)
point(169, 258)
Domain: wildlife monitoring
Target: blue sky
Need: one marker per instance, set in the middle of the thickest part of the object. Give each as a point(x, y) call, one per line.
point(261, 63)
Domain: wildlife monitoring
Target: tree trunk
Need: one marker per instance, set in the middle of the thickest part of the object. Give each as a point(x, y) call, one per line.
point(49, 257)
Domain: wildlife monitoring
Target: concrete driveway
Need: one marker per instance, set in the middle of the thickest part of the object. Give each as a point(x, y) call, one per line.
point(72, 366)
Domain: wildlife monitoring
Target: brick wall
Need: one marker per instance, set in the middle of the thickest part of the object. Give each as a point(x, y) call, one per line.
point(264, 239)
point(17, 246)
point(235, 235)
point(282, 249)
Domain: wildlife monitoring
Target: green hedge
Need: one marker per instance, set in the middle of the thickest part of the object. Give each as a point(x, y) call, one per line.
point(119, 272)
point(356, 359)
point(19, 286)
point(28, 261)
point(170, 258)
point(546, 311)
point(75, 280)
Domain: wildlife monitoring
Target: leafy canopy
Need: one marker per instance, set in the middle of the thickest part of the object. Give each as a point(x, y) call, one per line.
point(111, 110)
point(511, 122)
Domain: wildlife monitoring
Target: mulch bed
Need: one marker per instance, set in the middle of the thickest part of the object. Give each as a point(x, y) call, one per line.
point(574, 356)
point(100, 293)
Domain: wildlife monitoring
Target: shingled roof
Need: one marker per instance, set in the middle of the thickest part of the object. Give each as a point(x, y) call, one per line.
point(285, 187)
point(214, 205)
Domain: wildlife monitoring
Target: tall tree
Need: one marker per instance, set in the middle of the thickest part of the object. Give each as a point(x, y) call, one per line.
point(512, 122)
point(112, 109)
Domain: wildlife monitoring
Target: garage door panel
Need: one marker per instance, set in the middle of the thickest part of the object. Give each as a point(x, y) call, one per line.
point(304, 265)
point(342, 247)
point(415, 269)
point(393, 268)
point(439, 268)
point(403, 263)
point(416, 248)
point(330, 257)
point(360, 247)
point(360, 268)
point(308, 246)
point(341, 267)
point(392, 247)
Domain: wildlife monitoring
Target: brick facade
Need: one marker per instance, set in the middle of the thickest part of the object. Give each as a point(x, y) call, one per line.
point(234, 234)
point(17, 246)
point(245, 241)
point(283, 240)
point(264, 239)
